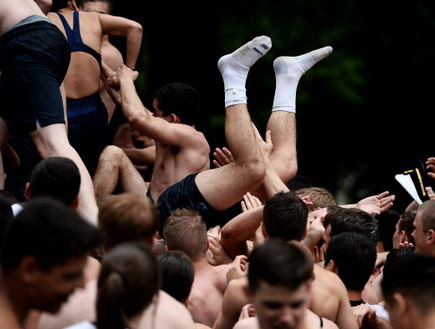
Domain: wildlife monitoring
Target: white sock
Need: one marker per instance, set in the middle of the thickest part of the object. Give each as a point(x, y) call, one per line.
point(234, 68)
point(288, 71)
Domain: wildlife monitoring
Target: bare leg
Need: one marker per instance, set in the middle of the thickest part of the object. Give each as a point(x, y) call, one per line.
point(282, 121)
point(53, 141)
point(222, 187)
point(115, 169)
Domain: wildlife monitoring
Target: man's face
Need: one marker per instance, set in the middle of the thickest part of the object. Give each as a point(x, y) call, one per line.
point(53, 287)
point(97, 6)
point(280, 307)
point(326, 238)
point(419, 235)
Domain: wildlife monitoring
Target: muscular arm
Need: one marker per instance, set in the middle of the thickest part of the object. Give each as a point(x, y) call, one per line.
point(141, 119)
point(123, 27)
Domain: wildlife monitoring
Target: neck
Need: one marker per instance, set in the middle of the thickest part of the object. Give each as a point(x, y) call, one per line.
point(354, 295)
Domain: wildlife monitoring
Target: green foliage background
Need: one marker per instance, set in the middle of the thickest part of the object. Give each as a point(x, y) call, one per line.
point(364, 113)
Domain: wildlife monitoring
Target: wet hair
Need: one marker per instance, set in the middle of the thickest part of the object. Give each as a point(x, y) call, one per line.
point(354, 255)
point(57, 177)
point(280, 263)
point(50, 231)
point(127, 284)
point(285, 216)
point(176, 273)
point(180, 99)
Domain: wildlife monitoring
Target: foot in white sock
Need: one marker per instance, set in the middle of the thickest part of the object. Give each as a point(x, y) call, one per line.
point(288, 71)
point(234, 68)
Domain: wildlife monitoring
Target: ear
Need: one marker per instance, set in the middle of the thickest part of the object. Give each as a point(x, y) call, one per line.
point(430, 237)
point(263, 230)
point(401, 305)
point(27, 191)
point(331, 266)
point(28, 267)
point(174, 118)
point(308, 202)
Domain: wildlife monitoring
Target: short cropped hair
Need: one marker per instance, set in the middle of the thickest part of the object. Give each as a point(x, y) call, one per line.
point(280, 263)
point(50, 231)
point(180, 99)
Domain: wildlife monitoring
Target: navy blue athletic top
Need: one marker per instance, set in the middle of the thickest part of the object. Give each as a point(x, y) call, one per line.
point(75, 39)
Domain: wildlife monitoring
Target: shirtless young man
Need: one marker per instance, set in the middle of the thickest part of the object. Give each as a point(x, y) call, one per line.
point(280, 275)
point(34, 105)
point(181, 148)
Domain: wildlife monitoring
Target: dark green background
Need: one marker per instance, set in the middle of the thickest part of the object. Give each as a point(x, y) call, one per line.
point(363, 114)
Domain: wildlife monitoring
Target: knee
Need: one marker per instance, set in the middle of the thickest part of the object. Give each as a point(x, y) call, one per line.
point(112, 153)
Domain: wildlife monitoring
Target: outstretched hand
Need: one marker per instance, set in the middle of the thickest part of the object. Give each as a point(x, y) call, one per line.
point(222, 157)
point(123, 72)
point(377, 204)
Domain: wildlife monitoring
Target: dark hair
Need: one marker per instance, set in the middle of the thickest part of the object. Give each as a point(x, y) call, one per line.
point(180, 99)
point(396, 253)
point(128, 281)
point(352, 220)
point(279, 263)
point(354, 254)
point(412, 276)
point(285, 216)
point(50, 231)
point(176, 273)
point(80, 3)
point(57, 177)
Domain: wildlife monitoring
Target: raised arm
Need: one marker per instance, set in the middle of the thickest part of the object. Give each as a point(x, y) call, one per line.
point(124, 27)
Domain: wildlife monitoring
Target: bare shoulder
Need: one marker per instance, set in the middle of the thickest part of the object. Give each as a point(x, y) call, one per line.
point(166, 312)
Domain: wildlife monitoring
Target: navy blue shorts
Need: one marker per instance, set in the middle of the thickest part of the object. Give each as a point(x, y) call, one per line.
point(88, 128)
point(34, 59)
point(185, 194)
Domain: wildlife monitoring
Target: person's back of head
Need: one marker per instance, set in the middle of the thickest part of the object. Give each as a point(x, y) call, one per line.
point(176, 273)
point(126, 217)
point(285, 216)
point(49, 231)
point(319, 196)
point(59, 4)
point(127, 284)
point(185, 230)
point(57, 177)
point(108, 3)
point(396, 253)
point(354, 256)
point(411, 279)
point(279, 263)
point(351, 220)
point(180, 99)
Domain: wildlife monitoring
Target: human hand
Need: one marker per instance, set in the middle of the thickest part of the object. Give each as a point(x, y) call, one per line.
point(222, 157)
point(364, 315)
point(216, 254)
point(430, 192)
point(406, 244)
point(248, 311)
point(250, 202)
point(430, 167)
point(377, 204)
point(238, 268)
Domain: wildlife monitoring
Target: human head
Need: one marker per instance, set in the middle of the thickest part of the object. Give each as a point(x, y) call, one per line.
point(177, 99)
point(126, 217)
point(280, 275)
point(176, 273)
point(127, 284)
point(395, 253)
point(404, 228)
point(99, 6)
point(352, 256)
point(185, 230)
point(57, 177)
point(339, 219)
point(285, 216)
point(44, 253)
point(424, 228)
point(408, 287)
point(317, 197)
